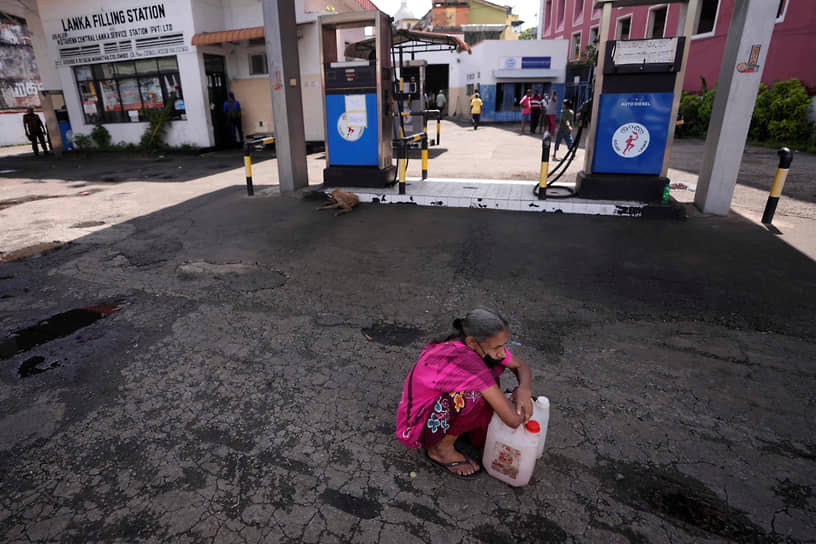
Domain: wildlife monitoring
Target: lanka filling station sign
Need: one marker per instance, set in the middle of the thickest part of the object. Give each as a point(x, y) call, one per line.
point(117, 33)
point(632, 132)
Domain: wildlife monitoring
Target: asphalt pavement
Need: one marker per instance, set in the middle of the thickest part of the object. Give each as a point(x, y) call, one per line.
point(199, 365)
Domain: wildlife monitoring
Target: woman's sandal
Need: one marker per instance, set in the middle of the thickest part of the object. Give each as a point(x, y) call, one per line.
point(448, 466)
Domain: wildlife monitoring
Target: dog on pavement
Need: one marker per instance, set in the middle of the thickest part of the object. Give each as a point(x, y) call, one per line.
point(341, 199)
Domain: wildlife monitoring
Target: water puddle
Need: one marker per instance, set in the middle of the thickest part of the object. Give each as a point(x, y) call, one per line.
point(57, 326)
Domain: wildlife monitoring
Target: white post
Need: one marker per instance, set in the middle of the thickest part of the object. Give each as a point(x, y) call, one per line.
point(746, 49)
point(280, 31)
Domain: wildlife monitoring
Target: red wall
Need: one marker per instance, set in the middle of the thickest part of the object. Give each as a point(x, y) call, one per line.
point(792, 51)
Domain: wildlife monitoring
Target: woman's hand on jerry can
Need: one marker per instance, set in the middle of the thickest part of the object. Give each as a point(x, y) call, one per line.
point(522, 399)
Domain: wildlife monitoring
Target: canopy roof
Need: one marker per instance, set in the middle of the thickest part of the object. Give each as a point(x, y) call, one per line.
point(409, 41)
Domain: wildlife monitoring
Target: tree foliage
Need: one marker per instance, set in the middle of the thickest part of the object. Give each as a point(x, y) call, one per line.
point(528, 34)
point(780, 115)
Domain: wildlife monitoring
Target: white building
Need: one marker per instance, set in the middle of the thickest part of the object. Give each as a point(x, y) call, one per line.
point(114, 58)
point(501, 70)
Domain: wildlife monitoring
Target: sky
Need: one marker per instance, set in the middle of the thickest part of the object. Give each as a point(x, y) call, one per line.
point(527, 10)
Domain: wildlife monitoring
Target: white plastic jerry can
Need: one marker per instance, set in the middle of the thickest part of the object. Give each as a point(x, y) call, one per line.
point(541, 413)
point(509, 453)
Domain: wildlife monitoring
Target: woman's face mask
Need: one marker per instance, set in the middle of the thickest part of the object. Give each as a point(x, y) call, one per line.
point(489, 360)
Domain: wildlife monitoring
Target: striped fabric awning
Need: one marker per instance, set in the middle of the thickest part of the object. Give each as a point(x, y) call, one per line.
point(236, 35)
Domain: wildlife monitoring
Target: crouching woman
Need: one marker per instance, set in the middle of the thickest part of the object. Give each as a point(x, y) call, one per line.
point(453, 389)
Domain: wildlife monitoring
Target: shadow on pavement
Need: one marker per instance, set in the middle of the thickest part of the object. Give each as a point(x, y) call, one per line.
point(253, 369)
point(118, 167)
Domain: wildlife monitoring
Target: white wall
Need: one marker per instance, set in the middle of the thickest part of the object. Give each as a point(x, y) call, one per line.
point(195, 130)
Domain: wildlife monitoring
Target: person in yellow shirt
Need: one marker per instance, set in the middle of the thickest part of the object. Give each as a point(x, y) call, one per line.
point(475, 110)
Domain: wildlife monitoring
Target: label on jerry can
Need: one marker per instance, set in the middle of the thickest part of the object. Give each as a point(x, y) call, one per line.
point(506, 460)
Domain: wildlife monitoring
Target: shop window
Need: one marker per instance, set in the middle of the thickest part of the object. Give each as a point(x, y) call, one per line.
point(622, 28)
point(657, 22)
point(707, 16)
point(258, 65)
point(119, 92)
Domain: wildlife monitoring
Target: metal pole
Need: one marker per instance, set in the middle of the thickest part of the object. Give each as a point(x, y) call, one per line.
point(785, 159)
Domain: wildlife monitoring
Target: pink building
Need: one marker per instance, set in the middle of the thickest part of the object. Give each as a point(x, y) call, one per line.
point(792, 49)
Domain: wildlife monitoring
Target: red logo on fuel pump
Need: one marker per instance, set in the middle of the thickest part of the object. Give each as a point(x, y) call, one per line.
point(630, 140)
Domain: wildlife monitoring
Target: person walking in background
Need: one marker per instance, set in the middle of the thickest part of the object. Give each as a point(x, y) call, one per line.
point(475, 110)
point(441, 101)
point(552, 109)
point(536, 103)
point(564, 128)
point(34, 130)
point(525, 108)
point(232, 109)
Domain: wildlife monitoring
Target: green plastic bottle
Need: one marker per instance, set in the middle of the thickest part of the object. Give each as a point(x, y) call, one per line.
point(666, 193)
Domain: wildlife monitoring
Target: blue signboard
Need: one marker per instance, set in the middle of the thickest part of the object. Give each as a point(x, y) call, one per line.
point(351, 129)
point(632, 131)
point(535, 62)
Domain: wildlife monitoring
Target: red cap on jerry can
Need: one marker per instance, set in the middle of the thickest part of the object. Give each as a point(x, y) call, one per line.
point(533, 426)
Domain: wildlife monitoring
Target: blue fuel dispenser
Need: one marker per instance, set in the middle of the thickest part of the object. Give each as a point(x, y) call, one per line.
point(357, 102)
point(637, 90)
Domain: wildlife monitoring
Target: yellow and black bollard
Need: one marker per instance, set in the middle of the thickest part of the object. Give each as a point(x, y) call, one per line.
point(785, 159)
point(425, 155)
point(438, 125)
point(402, 167)
point(248, 168)
point(545, 167)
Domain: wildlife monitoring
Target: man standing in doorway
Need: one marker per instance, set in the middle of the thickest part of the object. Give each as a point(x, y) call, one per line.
point(440, 102)
point(34, 130)
point(232, 109)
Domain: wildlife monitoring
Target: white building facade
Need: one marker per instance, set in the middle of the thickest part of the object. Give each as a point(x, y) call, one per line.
point(114, 59)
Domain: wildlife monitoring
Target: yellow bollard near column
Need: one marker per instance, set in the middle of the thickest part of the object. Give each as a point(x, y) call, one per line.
point(785, 159)
point(545, 168)
point(425, 156)
point(248, 169)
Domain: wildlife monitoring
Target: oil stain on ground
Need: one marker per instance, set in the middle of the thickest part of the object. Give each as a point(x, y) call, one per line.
point(392, 334)
point(356, 506)
point(679, 499)
point(56, 326)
